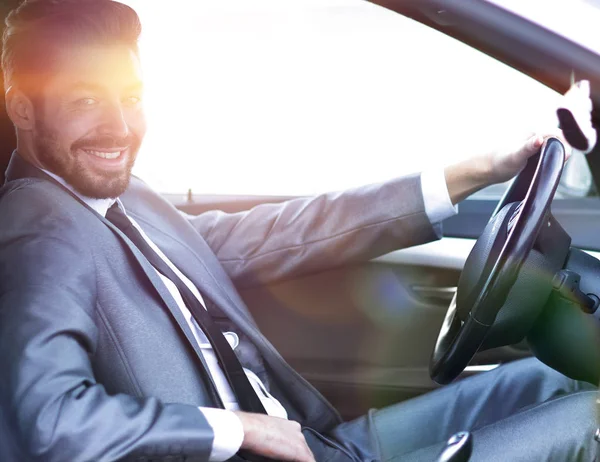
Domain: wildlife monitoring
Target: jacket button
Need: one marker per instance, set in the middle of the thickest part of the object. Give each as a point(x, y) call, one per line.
point(233, 339)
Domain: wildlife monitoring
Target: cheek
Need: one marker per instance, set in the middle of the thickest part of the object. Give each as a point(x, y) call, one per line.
point(137, 124)
point(74, 126)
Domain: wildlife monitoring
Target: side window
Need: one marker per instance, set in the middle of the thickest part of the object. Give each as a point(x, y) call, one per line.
point(295, 97)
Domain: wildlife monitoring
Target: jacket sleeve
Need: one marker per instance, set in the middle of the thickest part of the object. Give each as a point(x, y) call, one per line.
point(278, 241)
point(52, 404)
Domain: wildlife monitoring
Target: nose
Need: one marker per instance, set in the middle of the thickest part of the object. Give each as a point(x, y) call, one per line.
point(114, 122)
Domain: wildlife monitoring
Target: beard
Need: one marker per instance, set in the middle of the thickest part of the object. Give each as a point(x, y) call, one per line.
point(69, 163)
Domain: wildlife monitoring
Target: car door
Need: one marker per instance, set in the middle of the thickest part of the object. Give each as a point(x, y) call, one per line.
point(272, 100)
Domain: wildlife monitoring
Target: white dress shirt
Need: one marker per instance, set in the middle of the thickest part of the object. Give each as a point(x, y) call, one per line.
point(226, 426)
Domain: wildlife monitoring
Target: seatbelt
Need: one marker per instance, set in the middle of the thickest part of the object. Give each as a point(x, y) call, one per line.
point(234, 372)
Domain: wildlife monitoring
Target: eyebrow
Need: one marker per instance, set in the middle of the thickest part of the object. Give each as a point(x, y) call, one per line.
point(138, 86)
point(85, 86)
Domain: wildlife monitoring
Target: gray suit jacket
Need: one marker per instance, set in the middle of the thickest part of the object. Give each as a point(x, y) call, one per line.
point(96, 359)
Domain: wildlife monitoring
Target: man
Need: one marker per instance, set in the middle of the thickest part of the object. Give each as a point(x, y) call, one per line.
point(122, 335)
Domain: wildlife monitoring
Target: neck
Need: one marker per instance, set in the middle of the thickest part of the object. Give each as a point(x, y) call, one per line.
point(26, 149)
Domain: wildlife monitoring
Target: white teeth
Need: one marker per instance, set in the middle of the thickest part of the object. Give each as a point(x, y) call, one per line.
point(104, 155)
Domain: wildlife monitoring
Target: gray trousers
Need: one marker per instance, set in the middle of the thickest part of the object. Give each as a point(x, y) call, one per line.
point(522, 411)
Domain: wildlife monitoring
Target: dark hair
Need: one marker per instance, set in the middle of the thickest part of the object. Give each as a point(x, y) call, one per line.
point(37, 29)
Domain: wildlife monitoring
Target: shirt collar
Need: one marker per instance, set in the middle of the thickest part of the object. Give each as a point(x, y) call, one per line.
point(99, 205)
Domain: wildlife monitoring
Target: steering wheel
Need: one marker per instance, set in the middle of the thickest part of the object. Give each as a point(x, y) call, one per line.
point(507, 277)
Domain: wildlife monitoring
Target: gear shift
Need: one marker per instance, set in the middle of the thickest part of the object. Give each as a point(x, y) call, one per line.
point(457, 449)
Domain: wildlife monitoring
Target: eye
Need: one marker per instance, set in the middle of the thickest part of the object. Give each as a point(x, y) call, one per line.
point(86, 102)
point(133, 100)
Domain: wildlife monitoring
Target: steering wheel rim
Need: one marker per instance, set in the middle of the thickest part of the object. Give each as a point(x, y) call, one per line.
point(458, 341)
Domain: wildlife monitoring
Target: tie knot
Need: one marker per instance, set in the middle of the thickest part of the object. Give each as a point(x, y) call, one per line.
point(117, 217)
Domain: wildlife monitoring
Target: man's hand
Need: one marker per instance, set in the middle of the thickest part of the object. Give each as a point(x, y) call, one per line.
point(275, 438)
point(505, 164)
point(467, 177)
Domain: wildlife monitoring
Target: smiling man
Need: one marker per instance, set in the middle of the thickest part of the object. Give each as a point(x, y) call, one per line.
point(73, 134)
point(121, 331)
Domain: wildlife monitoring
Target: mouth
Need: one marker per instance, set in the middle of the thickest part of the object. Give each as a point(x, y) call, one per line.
point(112, 154)
point(104, 155)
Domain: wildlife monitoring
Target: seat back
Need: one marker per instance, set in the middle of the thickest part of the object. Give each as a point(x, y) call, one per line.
point(7, 140)
point(7, 131)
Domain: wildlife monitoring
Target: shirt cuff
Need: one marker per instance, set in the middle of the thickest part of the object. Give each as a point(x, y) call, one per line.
point(438, 205)
point(228, 431)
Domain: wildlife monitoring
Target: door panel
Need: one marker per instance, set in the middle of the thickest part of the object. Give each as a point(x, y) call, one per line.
point(362, 335)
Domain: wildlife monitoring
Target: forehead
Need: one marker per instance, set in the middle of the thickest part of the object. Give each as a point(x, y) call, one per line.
point(110, 67)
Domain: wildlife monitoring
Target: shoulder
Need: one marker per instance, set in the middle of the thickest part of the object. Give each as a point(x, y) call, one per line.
point(31, 203)
point(42, 221)
point(44, 237)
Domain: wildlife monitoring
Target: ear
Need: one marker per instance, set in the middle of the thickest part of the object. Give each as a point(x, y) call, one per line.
point(20, 109)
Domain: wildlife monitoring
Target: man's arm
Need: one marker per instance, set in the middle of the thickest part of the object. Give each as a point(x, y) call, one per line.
point(54, 407)
point(276, 241)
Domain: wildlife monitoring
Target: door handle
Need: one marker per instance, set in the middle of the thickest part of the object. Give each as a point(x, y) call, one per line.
point(444, 294)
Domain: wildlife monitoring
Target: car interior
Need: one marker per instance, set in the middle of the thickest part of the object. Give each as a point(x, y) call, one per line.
point(526, 267)
point(373, 326)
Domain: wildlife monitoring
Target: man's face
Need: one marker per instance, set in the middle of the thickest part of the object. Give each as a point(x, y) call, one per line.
point(89, 122)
